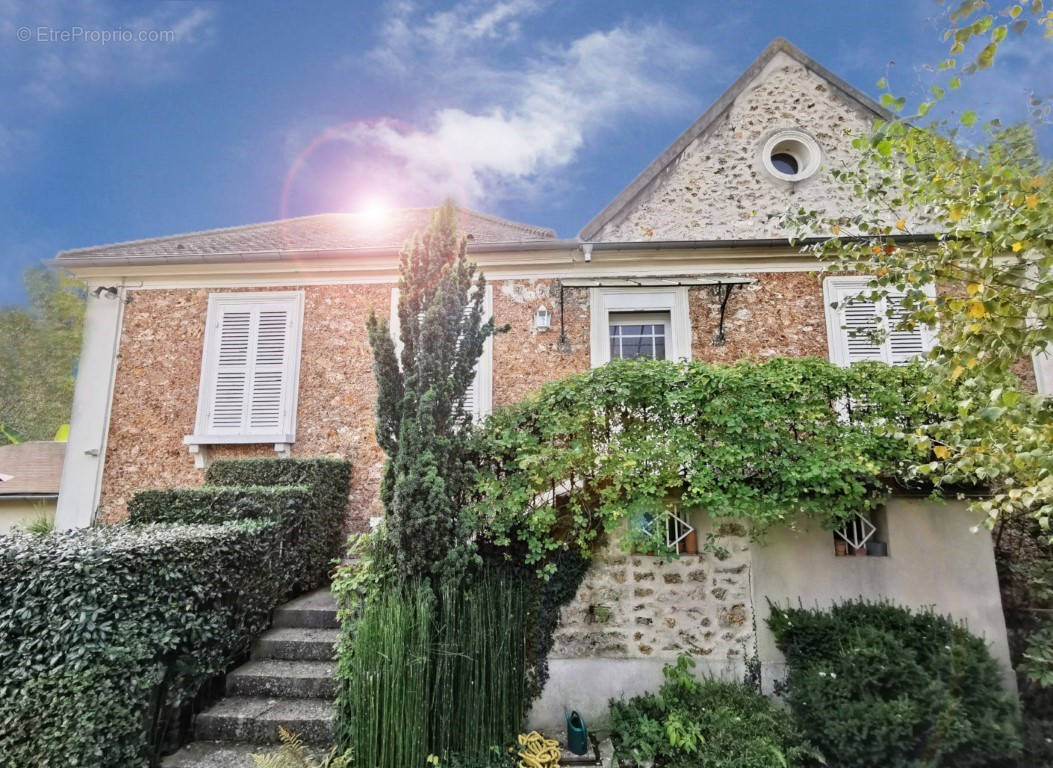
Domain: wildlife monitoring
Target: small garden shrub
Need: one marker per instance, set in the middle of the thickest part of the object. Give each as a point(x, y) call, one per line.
point(875, 684)
point(105, 632)
point(690, 723)
point(434, 673)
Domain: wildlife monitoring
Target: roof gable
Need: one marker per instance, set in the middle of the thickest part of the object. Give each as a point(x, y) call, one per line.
point(605, 225)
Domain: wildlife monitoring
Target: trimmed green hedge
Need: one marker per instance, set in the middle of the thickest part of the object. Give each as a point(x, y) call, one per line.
point(310, 494)
point(105, 633)
point(875, 684)
point(213, 504)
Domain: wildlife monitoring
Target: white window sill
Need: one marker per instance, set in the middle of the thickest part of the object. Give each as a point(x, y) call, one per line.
point(199, 445)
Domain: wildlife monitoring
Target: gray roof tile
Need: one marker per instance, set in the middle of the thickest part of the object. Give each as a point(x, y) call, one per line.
point(322, 232)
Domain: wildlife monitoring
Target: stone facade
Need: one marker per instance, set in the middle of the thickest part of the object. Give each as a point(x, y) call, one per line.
point(525, 358)
point(781, 313)
point(636, 606)
point(156, 388)
point(159, 368)
point(718, 187)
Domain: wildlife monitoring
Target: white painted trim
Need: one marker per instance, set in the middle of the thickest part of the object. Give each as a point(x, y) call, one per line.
point(836, 339)
point(82, 470)
point(603, 301)
point(204, 435)
point(506, 266)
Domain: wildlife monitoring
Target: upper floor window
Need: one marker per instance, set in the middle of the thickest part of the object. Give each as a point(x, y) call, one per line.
point(649, 323)
point(859, 328)
point(250, 369)
point(638, 335)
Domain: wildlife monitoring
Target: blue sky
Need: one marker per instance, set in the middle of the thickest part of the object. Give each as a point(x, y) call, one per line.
point(537, 110)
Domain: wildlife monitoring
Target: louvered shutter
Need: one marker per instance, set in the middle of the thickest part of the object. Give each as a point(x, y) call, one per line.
point(849, 327)
point(267, 395)
point(250, 368)
point(859, 319)
point(907, 343)
point(230, 383)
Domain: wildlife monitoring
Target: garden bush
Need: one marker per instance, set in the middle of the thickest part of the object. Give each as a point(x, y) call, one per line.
point(873, 684)
point(690, 723)
point(105, 633)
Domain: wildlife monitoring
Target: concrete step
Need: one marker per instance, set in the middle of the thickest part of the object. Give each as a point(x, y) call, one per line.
point(281, 678)
point(222, 754)
point(297, 643)
point(315, 610)
point(256, 720)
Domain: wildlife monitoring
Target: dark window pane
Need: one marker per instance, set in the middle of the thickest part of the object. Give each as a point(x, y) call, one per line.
point(659, 348)
point(784, 163)
point(634, 348)
point(615, 330)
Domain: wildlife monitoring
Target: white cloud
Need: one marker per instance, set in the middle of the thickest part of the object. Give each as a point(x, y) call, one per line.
point(408, 33)
point(508, 128)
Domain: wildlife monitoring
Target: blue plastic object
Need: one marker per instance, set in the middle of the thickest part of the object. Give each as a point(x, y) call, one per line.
point(577, 734)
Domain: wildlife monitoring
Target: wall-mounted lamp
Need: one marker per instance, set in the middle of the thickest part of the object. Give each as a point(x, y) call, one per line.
point(542, 318)
point(109, 292)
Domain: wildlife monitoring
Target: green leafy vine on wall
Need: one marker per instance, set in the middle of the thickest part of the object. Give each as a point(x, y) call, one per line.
point(759, 441)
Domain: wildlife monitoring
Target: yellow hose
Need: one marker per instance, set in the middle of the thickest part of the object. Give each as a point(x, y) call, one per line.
point(537, 751)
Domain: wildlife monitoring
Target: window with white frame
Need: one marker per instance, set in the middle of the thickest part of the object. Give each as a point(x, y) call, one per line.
point(646, 322)
point(249, 369)
point(478, 399)
point(636, 335)
point(859, 328)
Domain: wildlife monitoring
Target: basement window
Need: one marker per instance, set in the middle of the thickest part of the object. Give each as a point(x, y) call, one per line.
point(862, 535)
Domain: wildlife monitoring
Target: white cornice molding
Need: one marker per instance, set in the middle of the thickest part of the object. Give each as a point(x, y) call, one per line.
point(533, 265)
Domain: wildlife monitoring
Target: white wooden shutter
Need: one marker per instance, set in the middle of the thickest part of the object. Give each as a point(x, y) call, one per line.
point(268, 394)
point(230, 375)
point(859, 319)
point(250, 368)
point(849, 326)
point(478, 398)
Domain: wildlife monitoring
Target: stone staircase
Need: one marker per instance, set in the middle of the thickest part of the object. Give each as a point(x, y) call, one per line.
point(290, 681)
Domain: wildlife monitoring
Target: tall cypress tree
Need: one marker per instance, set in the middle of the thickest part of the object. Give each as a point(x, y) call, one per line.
point(422, 424)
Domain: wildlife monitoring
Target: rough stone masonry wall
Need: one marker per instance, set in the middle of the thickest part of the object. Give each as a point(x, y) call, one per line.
point(636, 606)
point(718, 188)
point(780, 314)
point(525, 358)
point(156, 388)
point(159, 369)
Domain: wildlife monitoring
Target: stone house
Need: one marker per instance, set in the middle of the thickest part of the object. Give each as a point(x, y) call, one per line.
point(251, 340)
